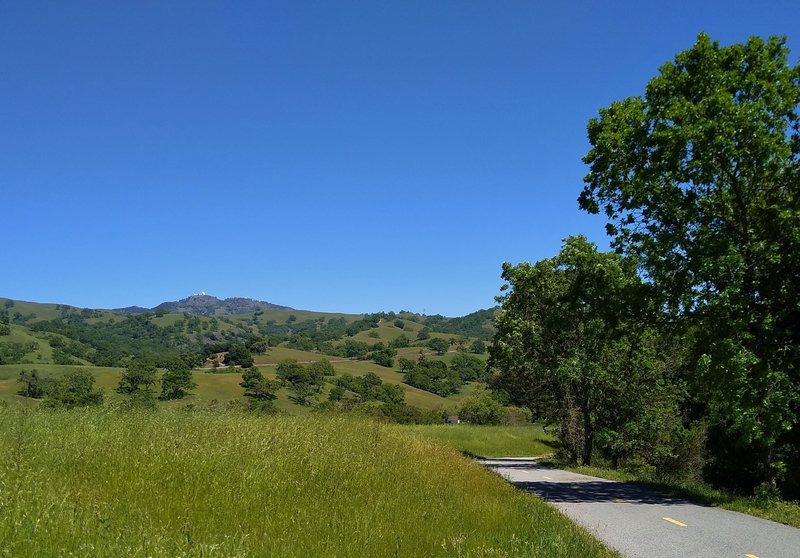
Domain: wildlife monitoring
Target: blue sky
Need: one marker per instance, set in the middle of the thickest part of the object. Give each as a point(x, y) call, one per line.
point(338, 156)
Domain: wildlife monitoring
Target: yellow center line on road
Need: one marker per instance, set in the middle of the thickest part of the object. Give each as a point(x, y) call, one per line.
point(546, 477)
point(750, 556)
point(673, 521)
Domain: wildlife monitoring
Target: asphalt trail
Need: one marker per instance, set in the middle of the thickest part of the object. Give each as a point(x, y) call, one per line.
point(642, 523)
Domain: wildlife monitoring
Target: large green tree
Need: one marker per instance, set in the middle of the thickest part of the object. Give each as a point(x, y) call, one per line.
point(305, 381)
point(177, 380)
point(260, 391)
point(572, 345)
point(700, 181)
point(75, 388)
point(138, 382)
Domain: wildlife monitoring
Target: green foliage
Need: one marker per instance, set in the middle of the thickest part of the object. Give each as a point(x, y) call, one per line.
point(369, 388)
point(33, 385)
point(354, 349)
point(478, 347)
point(138, 382)
point(304, 381)
point(258, 346)
point(176, 381)
point(481, 408)
point(322, 367)
point(424, 333)
point(239, 355)
point(75, 388)
point(431, 375)
point(63, 358)
point(399, 323)
point(384, 356)
point(337, 393)
point(399, 413)
point(477, 324)
point(699, 179)
point(260, 391)
point(569, 348)
point(13, 353)
point(5, 329)
point(469, 367)
point(400, 342)
point(112, 342)
point(438, 345)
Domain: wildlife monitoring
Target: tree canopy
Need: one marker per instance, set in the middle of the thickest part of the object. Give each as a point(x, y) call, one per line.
point(700, 181)
point(568, 347)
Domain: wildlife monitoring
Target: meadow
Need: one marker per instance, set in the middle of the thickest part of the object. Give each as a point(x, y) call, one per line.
point(490, 441)
point(174, 482)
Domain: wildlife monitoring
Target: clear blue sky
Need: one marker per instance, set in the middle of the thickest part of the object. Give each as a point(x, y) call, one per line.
point(340, 156)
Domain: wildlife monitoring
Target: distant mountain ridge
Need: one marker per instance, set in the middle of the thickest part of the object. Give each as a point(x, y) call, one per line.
point(205, 305)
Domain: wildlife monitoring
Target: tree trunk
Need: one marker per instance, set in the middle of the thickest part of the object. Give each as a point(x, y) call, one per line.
point(588, 436)
point(768, 471)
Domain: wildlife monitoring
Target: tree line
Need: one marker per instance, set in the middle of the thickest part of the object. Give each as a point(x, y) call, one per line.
point(679, 349)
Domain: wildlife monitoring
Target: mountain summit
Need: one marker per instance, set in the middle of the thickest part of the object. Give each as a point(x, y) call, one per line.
point(206, 305)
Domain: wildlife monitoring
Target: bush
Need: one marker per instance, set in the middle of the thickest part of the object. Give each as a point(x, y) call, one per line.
point(478, 347)
point(368, 388)
point(74, 389)
point(400, 342)
point(322, 367)
point(431, 375)
point(469, 367)
point(259, 390)
point(384, 357)
point(239, 355)
point(177, 381)
point(481, 408)
point(33, 385)
point(438, 345)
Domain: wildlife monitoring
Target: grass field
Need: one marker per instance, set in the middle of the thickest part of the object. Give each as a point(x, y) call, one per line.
point(489, 441)
point(176, 483)
point(224, 385)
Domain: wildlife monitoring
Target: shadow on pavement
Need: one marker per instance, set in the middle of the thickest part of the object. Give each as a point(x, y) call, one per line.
point(518, 465)
point(597, 491)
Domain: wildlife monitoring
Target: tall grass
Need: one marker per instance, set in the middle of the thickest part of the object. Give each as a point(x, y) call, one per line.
point(100, 482)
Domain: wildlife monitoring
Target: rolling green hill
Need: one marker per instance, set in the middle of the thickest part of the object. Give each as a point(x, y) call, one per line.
point(54, 338)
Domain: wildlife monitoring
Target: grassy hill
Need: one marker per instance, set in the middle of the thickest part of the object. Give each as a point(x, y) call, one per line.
point(105, 342)
point(175, 483)
point(224, 386)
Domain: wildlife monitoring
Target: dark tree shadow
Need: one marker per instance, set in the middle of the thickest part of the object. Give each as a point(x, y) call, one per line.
point(583, 491)
point(597, 491)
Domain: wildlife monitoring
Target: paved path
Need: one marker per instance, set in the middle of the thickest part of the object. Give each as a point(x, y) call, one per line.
point(641, 523)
